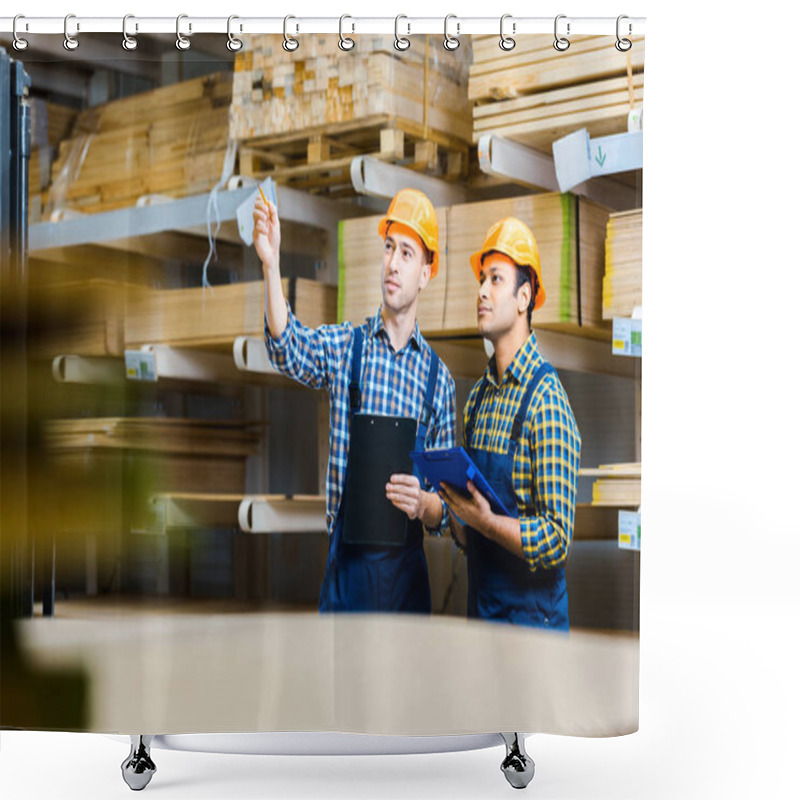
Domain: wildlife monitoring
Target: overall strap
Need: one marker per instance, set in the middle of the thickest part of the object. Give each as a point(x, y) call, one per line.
point(475, 408)
point(427, 413)
point(543, 369)
point(355, 371)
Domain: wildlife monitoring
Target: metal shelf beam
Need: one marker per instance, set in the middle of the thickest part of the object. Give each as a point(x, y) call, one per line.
point(188, 215)
point(280, 514)
point(520, 164)
point(86, 369)
point(250, 355)
point(371, 176)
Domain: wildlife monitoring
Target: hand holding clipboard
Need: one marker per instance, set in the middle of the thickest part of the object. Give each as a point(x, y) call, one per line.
point(453, 466)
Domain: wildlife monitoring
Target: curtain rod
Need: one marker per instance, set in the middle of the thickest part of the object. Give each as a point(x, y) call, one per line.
point(187, 25)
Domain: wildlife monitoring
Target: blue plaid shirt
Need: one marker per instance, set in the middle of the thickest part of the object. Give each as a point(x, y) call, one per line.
point(393, 384)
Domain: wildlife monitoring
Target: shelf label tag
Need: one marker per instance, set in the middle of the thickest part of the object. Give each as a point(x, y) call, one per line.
point(140, 366)
point(630, 530)
point(627, 337)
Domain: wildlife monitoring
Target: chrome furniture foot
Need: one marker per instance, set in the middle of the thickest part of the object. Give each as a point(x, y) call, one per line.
point(138, 768)
point(518, 766)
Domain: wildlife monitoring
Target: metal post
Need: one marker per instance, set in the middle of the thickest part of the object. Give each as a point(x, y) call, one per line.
point(16, 556)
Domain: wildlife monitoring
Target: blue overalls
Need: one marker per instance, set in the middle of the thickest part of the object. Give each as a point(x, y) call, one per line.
point(501, 585)
point(364, 577)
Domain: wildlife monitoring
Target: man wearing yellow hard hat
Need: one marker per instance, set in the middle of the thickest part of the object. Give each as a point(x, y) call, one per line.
point(520, 432)
point(389, 395)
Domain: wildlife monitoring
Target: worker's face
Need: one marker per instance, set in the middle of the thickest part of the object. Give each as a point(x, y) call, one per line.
point(405, 269)
point(500, 310)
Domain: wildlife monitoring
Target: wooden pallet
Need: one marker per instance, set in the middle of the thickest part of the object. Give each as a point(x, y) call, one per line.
point(302, 117)
point(318, 159)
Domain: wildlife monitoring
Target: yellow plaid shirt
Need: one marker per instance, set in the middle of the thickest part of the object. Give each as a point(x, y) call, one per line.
point(546, 463)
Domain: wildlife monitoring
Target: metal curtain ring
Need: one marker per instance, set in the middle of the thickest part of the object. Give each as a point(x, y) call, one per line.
point(561, 43)
point(19, 43)
point(70, 42)
point(233, 44)
point(623, 45)
point(181, 42)
point(506, 42)
point(128, 42)
point(345, 42)
point(400, 42)
point(289, 44)
point(451, 42)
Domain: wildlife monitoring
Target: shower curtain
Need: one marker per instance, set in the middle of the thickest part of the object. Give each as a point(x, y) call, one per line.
point(175, 551)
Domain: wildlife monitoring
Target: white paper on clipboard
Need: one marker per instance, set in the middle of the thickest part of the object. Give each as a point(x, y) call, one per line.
point(244, 212)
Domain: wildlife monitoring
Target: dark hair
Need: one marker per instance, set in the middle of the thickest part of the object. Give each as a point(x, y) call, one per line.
point(527, 275)
point(524, 275)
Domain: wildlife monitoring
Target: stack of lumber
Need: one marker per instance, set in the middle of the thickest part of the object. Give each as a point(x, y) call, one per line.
point(535, 95)
point(169, 141)
point(361, 273)
point(570, 234)
point(85, 318)
point(622, 283)
point(175, 454)
point(319, 85)
point(569, 231)
point(215, 316)
point(311, 111)
point(616, 484)
point(51, 123)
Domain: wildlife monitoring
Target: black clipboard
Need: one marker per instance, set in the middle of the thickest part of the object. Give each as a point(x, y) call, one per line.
point(379, 448)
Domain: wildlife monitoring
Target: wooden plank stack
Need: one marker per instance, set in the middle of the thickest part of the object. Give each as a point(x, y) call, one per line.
point(361, 273)
point(169, 141)
point(214, 317)
point(570, 234)
point(174, 454)
point(622, 283)
point(616, 485)
point(51, 123)
point(535, 95)
point(303, 116)
point(569, 231)
point(85, 318)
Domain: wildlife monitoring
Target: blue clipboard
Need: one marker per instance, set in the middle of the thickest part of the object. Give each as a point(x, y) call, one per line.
point(454, 466)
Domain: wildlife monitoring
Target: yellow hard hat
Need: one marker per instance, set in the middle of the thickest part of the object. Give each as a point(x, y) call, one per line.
point(512, 238)
point(412, 209)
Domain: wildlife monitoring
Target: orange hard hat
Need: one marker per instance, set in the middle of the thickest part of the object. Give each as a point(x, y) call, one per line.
point(413, 210)
point(512, 238)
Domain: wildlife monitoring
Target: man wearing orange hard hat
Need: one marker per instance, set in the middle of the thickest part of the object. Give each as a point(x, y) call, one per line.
point(520, 433)
point(389, 395)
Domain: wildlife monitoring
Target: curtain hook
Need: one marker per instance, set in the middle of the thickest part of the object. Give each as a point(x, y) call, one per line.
point(233, 44)
point(345, 42)
point(400, 42)
point(623, 45)
point(128, 42)
point(19, 42)
point(451, 42)
point(181, 42)
point(561, 43)
point(70, 42)
point(507, 42)
point(289, 43)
